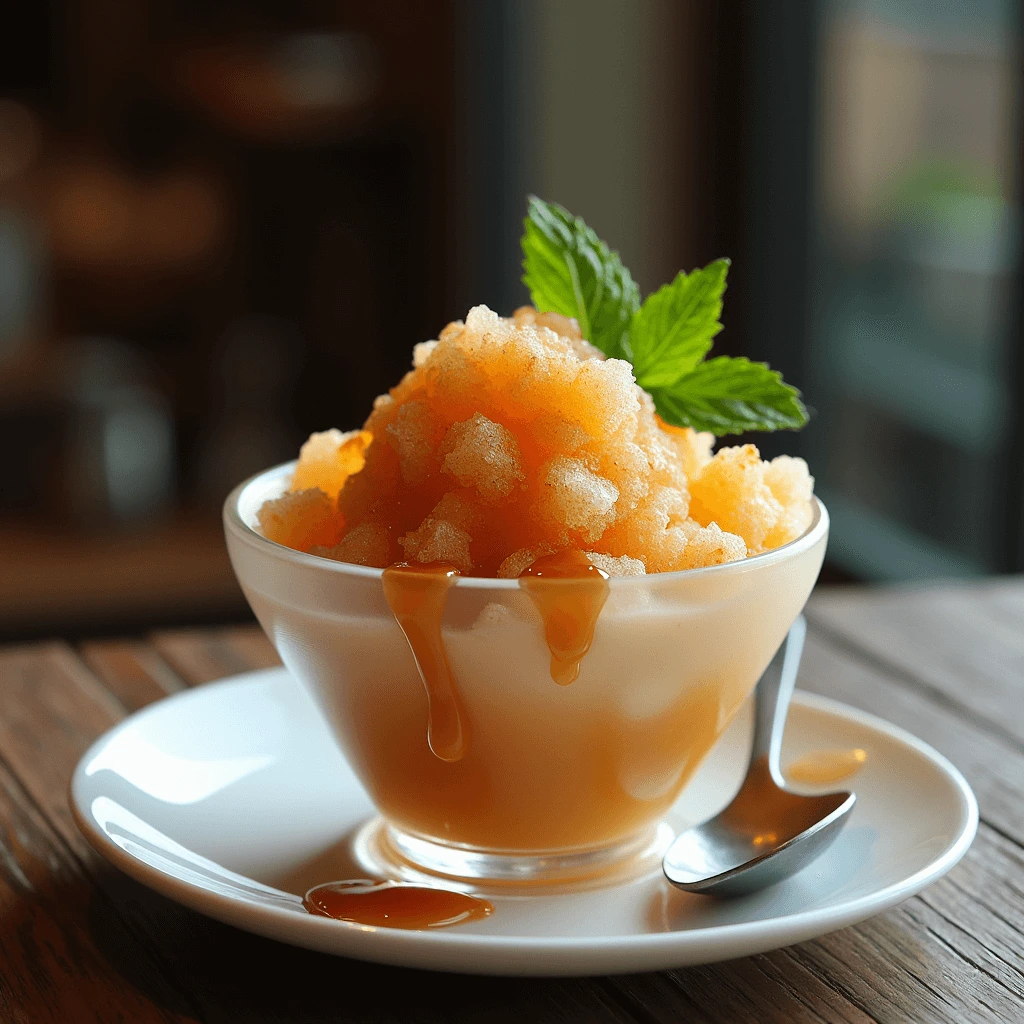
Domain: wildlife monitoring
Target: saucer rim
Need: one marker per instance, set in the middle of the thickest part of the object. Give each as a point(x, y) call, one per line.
point(537, 955)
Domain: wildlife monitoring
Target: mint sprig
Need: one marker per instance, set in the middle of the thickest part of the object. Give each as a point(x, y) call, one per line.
point(729, 395)
point(672, 332)
point(569, 270)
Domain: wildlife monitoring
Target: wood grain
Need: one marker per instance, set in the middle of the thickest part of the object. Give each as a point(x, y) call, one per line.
point(51, 708)
point(775, 987)
point(993, 765)
point(132, 670)
point(203, 655)
point(50, 967)
point(942, 640)
point(926, 960)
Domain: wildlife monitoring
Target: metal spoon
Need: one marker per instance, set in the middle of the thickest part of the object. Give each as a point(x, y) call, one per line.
point(766, 833)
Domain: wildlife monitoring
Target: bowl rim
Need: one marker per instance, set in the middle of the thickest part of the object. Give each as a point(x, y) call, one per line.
point(235, 525)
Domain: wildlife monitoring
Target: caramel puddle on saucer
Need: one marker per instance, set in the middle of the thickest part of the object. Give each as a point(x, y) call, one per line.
point(823, 767)
point(394, 905)
point(569, 592)
point(416, 595)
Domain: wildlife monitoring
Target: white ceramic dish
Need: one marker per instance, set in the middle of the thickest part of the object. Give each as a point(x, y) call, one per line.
point(234, 800)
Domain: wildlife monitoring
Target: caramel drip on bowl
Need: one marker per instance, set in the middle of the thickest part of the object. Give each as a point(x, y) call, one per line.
point(394, 905)
point(417, 595)
point(569, 592)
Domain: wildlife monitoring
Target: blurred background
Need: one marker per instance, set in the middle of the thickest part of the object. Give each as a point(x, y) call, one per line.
point(225, 224)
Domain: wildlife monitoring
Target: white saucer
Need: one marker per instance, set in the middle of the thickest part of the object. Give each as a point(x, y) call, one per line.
point(233, 800)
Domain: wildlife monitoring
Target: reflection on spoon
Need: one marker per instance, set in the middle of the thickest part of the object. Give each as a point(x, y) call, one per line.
point(767, 832)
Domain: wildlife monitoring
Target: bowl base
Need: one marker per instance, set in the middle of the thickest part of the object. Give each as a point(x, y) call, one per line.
point(385, 851)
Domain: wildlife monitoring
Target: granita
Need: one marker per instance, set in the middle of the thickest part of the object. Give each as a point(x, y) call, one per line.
point(513, 439)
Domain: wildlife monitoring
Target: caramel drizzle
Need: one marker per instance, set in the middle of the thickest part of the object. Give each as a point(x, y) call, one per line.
point(569, 592)
point(394, 905)
point(417, 595)
point(823, 767)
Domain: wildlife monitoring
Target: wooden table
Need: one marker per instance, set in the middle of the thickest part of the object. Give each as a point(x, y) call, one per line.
point(80, 942)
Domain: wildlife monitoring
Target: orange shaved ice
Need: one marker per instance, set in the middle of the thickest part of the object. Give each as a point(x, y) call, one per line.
point(327, 460)
point(656, 528)
point(693, 448)
point(790, 482)
point(483, 455)
point(301, 519)
point(710, 545)
point(624, 566)
point(514, 438)
point(365, 544)
point(444, 535)
point(767, 504)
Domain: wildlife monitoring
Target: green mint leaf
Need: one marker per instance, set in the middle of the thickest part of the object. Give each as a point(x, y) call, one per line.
point(671, 333)
point(569, 270)
point(731, 396)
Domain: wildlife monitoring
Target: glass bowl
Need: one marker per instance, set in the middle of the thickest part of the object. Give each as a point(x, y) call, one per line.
point(556, 781)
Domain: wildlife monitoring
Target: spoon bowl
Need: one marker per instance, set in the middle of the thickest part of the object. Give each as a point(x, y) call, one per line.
point(767, 832)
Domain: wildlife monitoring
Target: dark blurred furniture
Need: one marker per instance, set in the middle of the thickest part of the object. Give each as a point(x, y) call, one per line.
point(178, 572)
point(235, 218)
point(82, 942)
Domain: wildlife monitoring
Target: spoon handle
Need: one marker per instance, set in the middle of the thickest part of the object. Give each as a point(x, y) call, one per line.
point(772, 696)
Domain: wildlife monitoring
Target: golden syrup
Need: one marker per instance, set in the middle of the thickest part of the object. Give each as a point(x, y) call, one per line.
point(417, 595)
point(569, 592)
point(394, 905)
point(823, 767)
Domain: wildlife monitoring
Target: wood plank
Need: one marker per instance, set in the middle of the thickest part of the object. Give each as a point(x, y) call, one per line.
point(49, 962)
point(993, 765)
point(944, 640)
point(132, 670)
point(235, 976)
point(252, 646)
point(773, 988)
point(50, 966)
point(204, 655)
point(51, 708)
point(978, 913)
point(950, 954)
